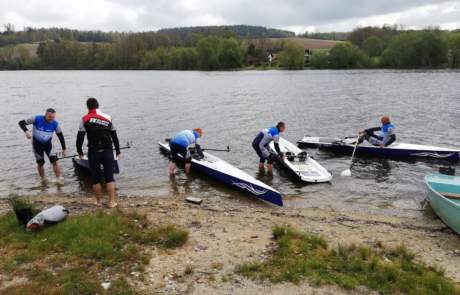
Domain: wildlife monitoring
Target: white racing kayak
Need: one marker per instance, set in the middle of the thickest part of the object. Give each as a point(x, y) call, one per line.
point(302, 166)
point(228, 174)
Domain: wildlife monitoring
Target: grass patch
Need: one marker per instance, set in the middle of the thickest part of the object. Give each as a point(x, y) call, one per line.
point(300, 256)
point(76, 249)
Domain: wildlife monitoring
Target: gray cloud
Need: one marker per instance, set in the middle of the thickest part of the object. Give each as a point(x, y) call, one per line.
point(138, 15)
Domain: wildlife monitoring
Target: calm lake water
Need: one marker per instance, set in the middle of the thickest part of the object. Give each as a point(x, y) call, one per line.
point(232, 107)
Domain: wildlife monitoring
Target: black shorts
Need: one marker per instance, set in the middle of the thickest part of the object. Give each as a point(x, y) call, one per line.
point(104, 158)
point(42, 148)
point(256, 147)
point(177, 150)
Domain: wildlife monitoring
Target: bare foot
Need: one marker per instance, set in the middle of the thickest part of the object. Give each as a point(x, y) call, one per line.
point(98, 203)
point(113, 205)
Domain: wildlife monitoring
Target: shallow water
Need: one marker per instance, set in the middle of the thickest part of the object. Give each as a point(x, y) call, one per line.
point(232, 107)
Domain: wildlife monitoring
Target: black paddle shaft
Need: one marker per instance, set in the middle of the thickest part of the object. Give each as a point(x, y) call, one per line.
point(128, 146)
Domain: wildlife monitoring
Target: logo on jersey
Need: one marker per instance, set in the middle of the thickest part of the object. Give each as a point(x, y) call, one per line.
point(99, 122)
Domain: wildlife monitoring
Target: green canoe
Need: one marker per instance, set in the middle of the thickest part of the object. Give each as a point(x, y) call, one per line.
point(443, 193)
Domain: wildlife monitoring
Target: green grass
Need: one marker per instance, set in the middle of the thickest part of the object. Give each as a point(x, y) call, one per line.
point(302, 256)
point(79, 247)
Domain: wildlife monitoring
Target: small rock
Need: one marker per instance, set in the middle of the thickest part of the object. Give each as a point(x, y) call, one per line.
point(105, 285)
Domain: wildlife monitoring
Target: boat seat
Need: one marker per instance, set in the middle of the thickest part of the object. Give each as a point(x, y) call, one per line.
point(451, 195)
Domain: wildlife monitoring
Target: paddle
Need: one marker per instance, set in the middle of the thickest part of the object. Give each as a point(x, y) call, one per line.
point(218, 150)
point(347, 173)
point(128, 145)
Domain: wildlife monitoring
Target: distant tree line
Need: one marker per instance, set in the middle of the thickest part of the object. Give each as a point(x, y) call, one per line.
point(389, 47)
point(223, 48)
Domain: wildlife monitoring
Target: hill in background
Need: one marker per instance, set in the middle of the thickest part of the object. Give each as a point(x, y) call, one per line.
point(240, 31)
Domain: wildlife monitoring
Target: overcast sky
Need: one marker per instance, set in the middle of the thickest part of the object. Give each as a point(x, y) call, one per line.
point(295, 15)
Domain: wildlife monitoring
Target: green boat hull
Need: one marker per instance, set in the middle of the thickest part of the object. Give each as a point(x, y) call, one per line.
point(448, 209)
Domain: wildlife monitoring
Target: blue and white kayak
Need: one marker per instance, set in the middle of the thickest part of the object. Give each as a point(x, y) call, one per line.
point(83, 164)
point(300, 164)
point(228, 174)
point(395, 150)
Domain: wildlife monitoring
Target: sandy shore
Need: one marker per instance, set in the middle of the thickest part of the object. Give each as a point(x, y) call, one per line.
point(224, 234)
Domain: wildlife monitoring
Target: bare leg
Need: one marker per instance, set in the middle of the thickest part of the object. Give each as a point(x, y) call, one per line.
point(41, 170)
point(188, 166)
point(98, 193)
point(57, 169)
point(111, 189)
point(172, 168)
point(270, 168)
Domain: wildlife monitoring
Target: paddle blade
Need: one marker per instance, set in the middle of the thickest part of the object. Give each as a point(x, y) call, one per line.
point(346, 173)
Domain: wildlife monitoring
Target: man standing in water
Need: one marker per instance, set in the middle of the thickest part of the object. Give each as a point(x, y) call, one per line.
point(42, 136)
point(101, 135)
point(180, 146)
point(261, 145)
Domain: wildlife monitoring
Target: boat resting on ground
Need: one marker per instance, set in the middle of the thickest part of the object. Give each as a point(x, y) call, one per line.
point(443, 194)
point(228, 174)
point(299, 164)
point(395, 150)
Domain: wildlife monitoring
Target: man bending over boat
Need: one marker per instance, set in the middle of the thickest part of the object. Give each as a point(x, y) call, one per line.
point(262, 141)
point(180, 146)
point(42, 136)
point(101, 135)
point(386, 136)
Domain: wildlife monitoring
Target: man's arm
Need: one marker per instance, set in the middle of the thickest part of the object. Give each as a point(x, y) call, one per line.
point(60, 136)
point(23, 123)
point(276, 141)
point(80, 138)
point(116, 142)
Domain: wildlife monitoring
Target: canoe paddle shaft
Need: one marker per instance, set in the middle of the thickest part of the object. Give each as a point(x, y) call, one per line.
point(128, 146)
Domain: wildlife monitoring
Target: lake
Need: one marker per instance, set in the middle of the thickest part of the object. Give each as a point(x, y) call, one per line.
point(231, 107)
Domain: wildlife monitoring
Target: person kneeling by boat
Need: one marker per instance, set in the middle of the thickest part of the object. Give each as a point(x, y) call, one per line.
point(262, 141)
point(180, 146)
point(44, 126)
point(386, 137)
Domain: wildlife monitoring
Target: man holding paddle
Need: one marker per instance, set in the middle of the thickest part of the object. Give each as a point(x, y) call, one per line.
point(261, 145)
point(44, 126)
point(102, 136)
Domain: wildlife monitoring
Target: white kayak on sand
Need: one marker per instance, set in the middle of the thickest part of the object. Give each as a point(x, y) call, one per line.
point(228, 174)
point(300, 164)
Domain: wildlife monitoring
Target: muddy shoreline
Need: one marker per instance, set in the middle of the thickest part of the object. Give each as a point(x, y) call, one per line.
point(225, 234)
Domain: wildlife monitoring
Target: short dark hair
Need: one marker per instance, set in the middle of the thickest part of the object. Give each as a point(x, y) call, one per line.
point(92, 103)
point(280, 124)
point(50, 110)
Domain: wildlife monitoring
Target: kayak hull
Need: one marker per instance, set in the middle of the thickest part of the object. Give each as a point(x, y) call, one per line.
point(83, 165)
point(303, 169)
point(396, 150)
point(443, 194)
point(231, 176)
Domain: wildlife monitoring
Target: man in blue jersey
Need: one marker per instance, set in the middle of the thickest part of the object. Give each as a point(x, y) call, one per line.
point(180, 146)
point(386, 136)
point(262, 141)
point(42, 135)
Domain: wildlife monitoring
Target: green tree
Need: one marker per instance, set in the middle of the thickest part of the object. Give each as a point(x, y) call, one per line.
point(454, 50)
point(208, 53)
point(319, 60)
point(416, 49)
point(373, 46)
point(344, 56)
point(292, 56)
point(231, 53)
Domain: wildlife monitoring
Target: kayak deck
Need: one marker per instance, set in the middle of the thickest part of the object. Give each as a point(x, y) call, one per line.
point(302, 166)
point(226, 173)
point(395, 150)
